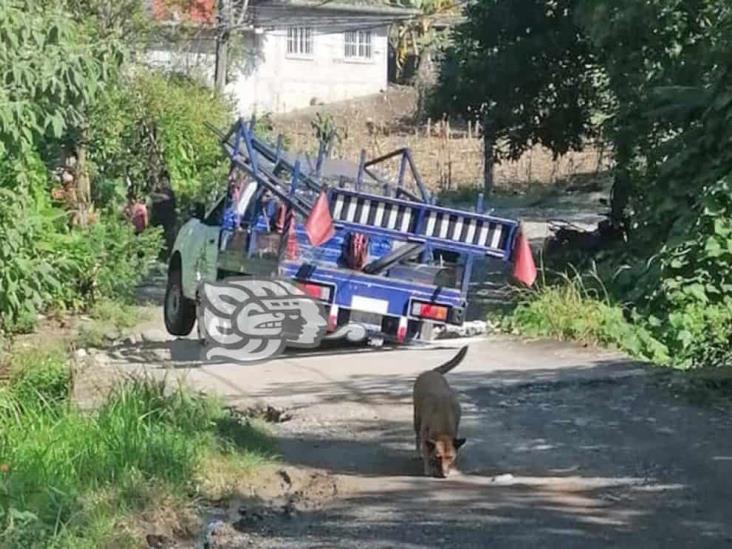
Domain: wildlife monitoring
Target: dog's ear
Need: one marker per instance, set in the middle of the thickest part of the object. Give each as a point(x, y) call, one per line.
point(430, 445)
point(458, 442)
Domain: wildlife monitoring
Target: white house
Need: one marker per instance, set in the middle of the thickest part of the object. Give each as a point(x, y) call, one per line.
point(288, 55)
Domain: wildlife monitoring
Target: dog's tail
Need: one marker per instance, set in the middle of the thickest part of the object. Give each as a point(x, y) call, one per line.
point(454, 361)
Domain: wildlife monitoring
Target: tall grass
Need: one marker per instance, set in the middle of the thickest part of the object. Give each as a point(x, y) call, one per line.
point(70, 479)
point(576, 308)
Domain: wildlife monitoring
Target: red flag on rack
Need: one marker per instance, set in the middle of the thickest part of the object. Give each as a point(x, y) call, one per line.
point(319, 225)
point(524, 269)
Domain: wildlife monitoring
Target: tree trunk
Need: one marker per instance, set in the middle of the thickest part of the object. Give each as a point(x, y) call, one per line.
point(83, 184)
point(222, 47)
point(488, 160)
point(622, 182)
point(619, 197)
point(425, 79)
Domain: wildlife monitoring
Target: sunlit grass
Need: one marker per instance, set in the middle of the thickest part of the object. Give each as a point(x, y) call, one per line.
point(74, 479)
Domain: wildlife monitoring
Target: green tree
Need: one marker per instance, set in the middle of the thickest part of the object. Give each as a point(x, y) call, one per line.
point(657, 77)
point(526, 70)
point(659, 60)
point(125, 20)
point(54, 69)
point(669, 71)
point(51, 69)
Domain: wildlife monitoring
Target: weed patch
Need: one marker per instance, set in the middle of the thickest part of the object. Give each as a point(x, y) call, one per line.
point(74, 479)
point(573, 311)
point(108, 320)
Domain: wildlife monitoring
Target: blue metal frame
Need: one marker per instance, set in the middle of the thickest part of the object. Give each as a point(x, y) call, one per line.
point(265, 163)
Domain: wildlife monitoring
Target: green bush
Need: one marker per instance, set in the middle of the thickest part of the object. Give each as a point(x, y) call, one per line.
point(28, 281)
point(152, 121)
point(105, 260)
point(44, 263)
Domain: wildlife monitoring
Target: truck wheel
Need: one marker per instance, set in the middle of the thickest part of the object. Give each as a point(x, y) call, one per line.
point(178, 310)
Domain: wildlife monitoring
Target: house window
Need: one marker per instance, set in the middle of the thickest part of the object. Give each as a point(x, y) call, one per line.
point(299, 41)
point(358, 44)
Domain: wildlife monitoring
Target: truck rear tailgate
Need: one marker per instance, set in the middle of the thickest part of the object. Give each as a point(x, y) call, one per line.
point(375, 294)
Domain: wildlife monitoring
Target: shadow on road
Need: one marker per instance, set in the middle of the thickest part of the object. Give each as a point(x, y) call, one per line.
point(188, 353)
point(557, 458)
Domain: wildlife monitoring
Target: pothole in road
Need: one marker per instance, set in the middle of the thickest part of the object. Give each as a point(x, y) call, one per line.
point(267, 413)
point(277, 499)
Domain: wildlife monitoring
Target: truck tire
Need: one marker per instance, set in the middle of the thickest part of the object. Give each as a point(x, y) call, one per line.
point(179, 311)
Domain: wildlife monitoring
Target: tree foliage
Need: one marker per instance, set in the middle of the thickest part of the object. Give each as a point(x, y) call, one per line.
point(417, 35)
point(524, 68)
point(657, 58)
point(55, 68)
point(668, 68)
point(656, 78)
point(125, 20)
point(51, 69)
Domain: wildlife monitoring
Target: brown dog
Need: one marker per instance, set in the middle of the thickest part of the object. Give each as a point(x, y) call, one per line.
point(436, 419)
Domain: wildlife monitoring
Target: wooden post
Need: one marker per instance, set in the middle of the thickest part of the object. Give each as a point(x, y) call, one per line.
point(488, 161)
point(429, 129)
point(449, 154)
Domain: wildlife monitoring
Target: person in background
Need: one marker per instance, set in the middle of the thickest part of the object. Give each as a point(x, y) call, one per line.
point(136, 212)
point(269, 209)
point(163, 211)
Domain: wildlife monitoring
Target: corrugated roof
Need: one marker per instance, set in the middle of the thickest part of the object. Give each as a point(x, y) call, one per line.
point(356, 6)
point(203, 12)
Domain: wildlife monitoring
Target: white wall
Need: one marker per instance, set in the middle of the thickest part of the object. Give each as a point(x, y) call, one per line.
point(195, 58)
point(280, 83)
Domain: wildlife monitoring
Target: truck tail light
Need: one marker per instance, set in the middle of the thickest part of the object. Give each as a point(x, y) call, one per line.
point(317, 291)
point(430, 311)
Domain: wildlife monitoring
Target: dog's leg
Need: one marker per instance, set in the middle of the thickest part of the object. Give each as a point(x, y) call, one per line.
point(417, 429)
point(427, 468)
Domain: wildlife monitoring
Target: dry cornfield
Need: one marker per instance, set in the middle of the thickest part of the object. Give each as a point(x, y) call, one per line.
point(447, 157)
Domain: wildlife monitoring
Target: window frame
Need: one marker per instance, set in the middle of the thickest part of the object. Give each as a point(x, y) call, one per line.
point(299, 42)
point(358, 45)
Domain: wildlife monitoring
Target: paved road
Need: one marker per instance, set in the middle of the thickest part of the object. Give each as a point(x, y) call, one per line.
point(567, 447)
